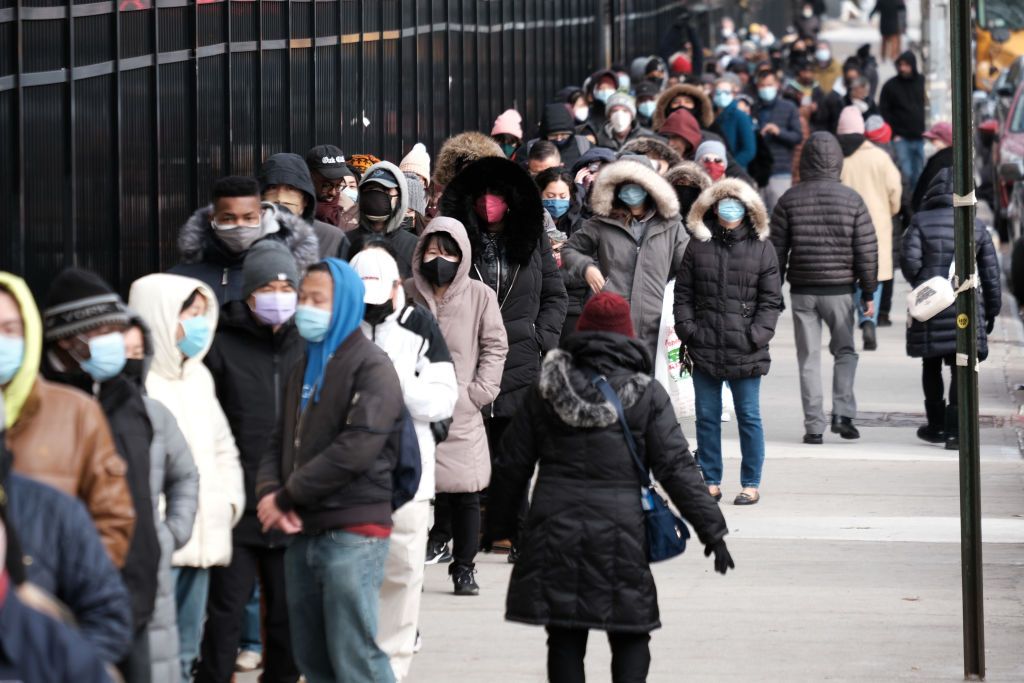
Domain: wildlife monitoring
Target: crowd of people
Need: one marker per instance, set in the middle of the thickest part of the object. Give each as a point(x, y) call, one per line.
point(356, 368)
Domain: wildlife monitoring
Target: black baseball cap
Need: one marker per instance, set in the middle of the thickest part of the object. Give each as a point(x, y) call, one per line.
point(328, 161)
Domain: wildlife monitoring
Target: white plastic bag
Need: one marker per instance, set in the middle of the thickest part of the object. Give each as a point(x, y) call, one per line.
point(668, 365)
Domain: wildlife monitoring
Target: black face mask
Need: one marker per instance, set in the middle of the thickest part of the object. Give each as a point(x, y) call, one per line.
point(439, 271)
point(376, 313)
point(562, 144)
point(133, 368)
point(687, 196)
point(374, 204)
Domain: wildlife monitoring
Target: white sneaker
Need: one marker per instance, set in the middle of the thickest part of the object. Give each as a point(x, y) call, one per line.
point(248, 661)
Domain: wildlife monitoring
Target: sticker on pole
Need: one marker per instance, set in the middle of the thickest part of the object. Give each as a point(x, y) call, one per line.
point(962, 320)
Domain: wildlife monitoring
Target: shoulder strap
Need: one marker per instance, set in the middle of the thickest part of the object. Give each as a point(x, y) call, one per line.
point(606, 389)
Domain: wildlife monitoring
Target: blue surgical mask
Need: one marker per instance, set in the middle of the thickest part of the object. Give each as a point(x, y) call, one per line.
point(624, 82)
point(731, 210)
point(632, 194)
point(106, 357)
point(723, 98)
point(12, 351)
point(556, 207)
point(767, 93)
point(313, 323)
point(603, 95)
point(197, 333)
point(646, 109)
point(352, 193)
point(822, 55)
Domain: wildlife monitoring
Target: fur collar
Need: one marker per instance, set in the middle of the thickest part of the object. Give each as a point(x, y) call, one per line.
point(556, 388)
point(196, 241)
point(460, 150)
point(707, 114)
point(727, 187)
point(690, 174)
point(652, 147)
point(602, 196)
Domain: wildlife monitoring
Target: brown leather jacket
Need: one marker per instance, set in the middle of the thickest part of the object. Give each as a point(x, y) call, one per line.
point(62, 439)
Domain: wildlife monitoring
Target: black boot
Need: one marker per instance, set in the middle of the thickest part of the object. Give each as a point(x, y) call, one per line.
point(952, 428)
point(843, 426)
point(870, 339)
point(464, 579)
point(884, 320)
point(935, 430)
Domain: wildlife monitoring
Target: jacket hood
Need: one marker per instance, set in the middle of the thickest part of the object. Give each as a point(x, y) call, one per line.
point(703, 112)
point(524, 222)
point(651, 147)
point(459, 151)
point(290, 169)
point(821, 158)
point(911, 59)
point(395, 222)
point(158, 300)
point(594, 79)
point(939, 194)
point(682, 123)
point(197, 243)
point(690, 174)
point(17, 391)
point(556, 118)
point(458, 233)
point(727, 187)
point(602, 195)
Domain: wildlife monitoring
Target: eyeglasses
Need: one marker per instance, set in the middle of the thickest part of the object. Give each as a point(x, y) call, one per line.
point(331, 188)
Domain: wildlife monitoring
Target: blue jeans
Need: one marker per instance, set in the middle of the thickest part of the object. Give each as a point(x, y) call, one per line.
point(333, 582)
point(910, 158)
point(191, 588)
point(251, 641)
point(861, 318)
point(746, 394)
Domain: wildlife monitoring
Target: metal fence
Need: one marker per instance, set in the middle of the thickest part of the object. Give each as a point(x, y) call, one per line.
point(116, 116)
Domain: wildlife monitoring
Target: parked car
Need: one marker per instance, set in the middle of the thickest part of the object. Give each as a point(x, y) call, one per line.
point(1007, 156)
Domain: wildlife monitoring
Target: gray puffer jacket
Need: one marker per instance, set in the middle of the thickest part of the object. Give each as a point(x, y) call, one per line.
point(638, 268)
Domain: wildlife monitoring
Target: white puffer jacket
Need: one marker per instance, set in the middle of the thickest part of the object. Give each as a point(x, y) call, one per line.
point(185, 387)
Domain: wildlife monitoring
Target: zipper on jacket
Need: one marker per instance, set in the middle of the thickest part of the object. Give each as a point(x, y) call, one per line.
point(277, 386)
point(224, 278)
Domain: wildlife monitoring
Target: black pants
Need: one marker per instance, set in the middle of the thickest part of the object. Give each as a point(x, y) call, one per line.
point(136, 666)
point(931, 379)
point(496, 427)
point(631, 656)
point(230, 590)
point(886, 305)
point(457, 517)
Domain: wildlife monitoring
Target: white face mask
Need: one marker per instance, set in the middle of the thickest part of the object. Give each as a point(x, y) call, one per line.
point(581, 113)
point(620, 120)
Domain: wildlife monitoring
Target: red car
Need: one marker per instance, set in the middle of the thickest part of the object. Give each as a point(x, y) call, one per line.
point(1008, 160)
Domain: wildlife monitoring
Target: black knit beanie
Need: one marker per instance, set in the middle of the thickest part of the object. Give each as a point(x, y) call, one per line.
point(79, 300)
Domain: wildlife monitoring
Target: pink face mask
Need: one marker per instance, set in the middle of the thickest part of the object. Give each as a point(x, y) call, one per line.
point(491, 208)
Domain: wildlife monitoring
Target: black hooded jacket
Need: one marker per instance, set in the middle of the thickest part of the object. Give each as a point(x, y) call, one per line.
point(822, 230)
point(902, 102)
point(529, 287)
point(250, 364)
point(291, 169)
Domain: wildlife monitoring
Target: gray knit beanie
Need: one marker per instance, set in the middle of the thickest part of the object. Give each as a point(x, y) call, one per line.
point(267, 261)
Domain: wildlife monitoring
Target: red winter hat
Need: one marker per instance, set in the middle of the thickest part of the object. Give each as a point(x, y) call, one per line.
point(681, 64)
point(682, 124)
point(606, 312)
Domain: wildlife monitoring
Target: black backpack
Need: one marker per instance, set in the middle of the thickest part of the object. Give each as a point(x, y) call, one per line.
point(405, 478)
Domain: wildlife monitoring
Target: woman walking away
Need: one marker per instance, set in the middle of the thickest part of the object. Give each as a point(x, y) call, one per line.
point(728, 301)
point(927, 251)
point(583, 555)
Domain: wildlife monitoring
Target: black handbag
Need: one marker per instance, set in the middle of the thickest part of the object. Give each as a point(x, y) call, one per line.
point(440, 429)
point(666, 533)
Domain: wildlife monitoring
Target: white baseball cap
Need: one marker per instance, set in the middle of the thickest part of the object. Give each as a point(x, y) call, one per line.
point(379, 273)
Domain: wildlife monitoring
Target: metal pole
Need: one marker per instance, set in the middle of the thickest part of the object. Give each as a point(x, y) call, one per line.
point(967, 343)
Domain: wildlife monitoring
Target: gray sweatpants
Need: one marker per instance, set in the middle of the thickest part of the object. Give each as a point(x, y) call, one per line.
point(836, 311)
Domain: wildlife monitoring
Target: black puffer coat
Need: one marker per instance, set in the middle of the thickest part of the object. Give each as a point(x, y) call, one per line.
point(927, 251)
point(530, 292)
point(250, 363)
point(583, 558)
point(728, 292)
point(822, 230)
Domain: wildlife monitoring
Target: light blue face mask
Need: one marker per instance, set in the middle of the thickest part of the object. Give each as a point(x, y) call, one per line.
point(632, 194)
point(767, 93)
point(12, 351)
point(197, 333)
point(723, 98)
point(556, 207)
point(352, 193)
point(731, 210)
point(646, 109)
point(624, 82)
point(106, 357)
point(603, 95)
point(313, 323)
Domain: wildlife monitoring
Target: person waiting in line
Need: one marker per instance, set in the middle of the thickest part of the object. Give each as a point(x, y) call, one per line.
point(383, 203)
point(543, 155)
point(335, 186)
point(507, 131)
point(622, 126)
point(736, 125)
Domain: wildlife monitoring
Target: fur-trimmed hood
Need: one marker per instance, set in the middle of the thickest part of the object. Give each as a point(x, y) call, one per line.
point(197, 243)
point(602, 195)
point(703, 112)
point(690, 174)
point(701, 212)
point(652, 147)
point(524, 222)
point(556, 386)
point(460, 150)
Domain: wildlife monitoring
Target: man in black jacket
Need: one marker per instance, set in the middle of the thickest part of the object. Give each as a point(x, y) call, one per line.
point(826, 243)
point(84, 323)
point(902, 104)
point(253, 352)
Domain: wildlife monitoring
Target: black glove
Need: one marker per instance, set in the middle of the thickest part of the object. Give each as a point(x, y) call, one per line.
point(723, 560)
point(990, 325)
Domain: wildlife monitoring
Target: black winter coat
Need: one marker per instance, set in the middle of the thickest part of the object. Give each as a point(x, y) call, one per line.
point(822, 230)
point(583, 556)
point(927, 252)
point(888, 12)
point(250, 364)
point(902, 102)
point(728, 294)
point(531, 293)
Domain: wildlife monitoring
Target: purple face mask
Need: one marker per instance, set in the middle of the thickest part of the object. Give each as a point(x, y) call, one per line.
point(275, 308)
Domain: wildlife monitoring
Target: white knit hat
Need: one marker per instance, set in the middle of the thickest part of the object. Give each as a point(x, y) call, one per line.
point(417, 161)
